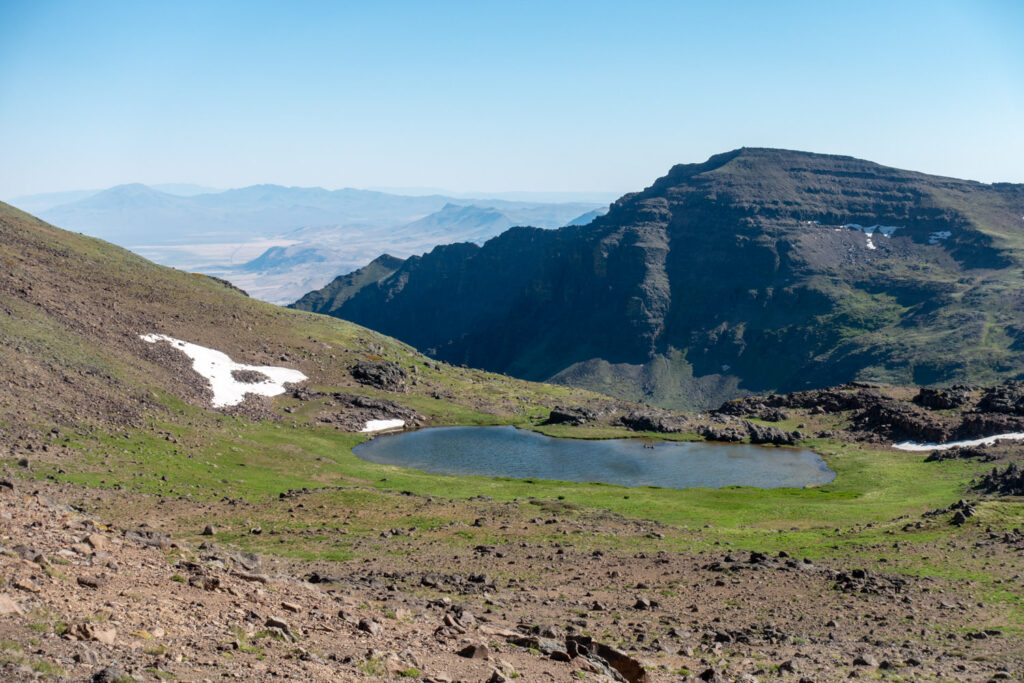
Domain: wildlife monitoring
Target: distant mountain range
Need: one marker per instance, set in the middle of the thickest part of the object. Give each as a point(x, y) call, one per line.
point(49, 200)
point(759, 270)
point(279, 242)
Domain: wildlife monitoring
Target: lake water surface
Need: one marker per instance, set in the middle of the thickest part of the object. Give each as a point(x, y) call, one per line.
point(522, 454)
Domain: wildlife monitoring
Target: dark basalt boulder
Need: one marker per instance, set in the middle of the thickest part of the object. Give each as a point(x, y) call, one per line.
point(763, 434)
point(380, 375)
point(306, 394)
point(572, 415)
point(942, 399)
point(980, 453)
point(977, 425)
point(773, 415)
point(351, 412)
point(725, 433)
point(851, 396)
point(654, 421)
point(1007, 398)
point(735, 431)
point(900, 422)
point(1006, 482)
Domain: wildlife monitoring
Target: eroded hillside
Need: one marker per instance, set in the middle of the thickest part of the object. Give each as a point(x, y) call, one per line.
point(758, 270)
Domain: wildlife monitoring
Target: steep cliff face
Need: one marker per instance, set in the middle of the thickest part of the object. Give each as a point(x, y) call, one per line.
point(758, 270)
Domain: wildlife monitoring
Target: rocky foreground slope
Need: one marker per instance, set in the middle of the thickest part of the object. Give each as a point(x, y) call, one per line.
point(757, 270)
point(82, 601)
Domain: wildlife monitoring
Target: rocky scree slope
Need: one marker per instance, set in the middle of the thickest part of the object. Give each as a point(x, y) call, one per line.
point(84, 601)
point(758, 270)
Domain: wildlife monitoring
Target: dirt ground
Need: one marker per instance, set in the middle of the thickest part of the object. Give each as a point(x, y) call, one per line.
point(83, 601)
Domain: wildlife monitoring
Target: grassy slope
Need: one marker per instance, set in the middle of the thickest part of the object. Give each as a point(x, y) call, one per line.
point(72, 307)
point(213, 457)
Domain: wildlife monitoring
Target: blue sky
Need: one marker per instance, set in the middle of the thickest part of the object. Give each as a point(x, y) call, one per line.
point(487, 96)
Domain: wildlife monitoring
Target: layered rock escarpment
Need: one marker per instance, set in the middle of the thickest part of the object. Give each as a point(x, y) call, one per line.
point(758, 270)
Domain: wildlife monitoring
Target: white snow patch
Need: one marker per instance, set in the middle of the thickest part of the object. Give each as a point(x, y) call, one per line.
point(217, 367)
point(912, 446)
point(934, 237)
point(381, 425)
point(886, 230)
point(870, 230)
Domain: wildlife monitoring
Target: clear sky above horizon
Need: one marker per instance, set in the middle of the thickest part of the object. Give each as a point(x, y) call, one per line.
point(482, 96)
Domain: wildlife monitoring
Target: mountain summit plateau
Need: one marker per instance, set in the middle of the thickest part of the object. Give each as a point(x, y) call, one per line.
point(759, 270)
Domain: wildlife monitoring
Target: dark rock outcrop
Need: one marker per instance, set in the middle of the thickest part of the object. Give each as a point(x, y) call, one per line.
point(1004, 482)
point(351, 412)
point(572, 415)
point(1006, 398)
point(725, 433)
point(654, 421)
point(380, 375)
point(979, 453)
point(838, 399)
point(978, 425)
point(744, 431)
point(900, 422)
point(764, 434)
point(943, 399)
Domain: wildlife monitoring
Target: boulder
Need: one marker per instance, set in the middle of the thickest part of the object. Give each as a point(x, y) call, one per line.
point(109, 674)
point(942, 399)
point(572, 415)
point(1005, 482)
point(380, 375)
point(1007, 398)
point(773, 435)
point(727, 433)
point(654, 421)
point(475, 651)
point(356, 411)
point(8, 605)
point(900, 422)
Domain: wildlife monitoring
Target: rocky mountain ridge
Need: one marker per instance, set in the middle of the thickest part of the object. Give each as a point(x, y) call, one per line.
point(759, 270)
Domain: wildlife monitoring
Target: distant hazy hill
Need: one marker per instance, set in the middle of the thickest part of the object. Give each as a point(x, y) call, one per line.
point(586, 218)
point(315, 255)
point(459, 223)
point(140, 214)
point(758, 270)
point(226, 233)
point(137, 214)
point(36, 203)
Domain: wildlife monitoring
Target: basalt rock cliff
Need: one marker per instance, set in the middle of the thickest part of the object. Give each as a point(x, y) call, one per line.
point(758, 270)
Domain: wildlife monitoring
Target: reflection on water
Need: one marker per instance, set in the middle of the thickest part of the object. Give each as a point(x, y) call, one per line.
point(521, 454)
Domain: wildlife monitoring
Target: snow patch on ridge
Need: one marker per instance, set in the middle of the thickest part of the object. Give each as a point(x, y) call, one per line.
point(935, 237)
point(871, 230)
point(912, 446)
point(381, 425)
point(217, 368)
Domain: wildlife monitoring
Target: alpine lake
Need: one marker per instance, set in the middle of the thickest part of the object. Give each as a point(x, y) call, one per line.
point(523, 454)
